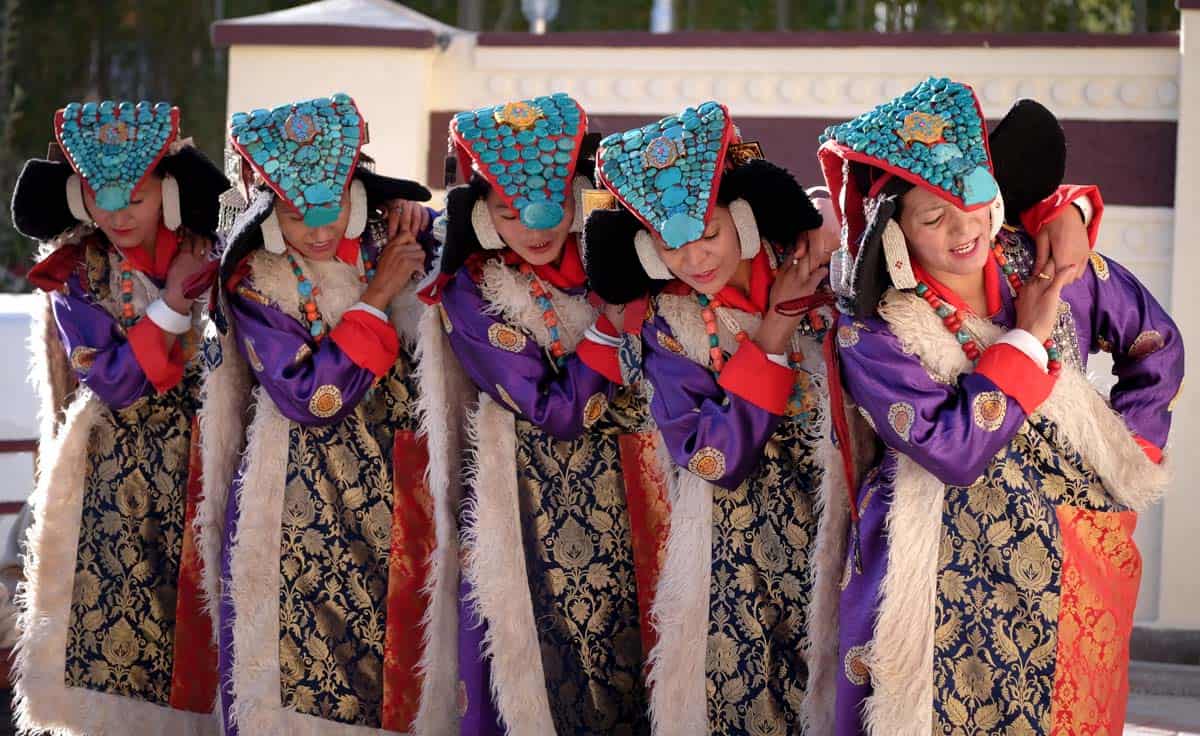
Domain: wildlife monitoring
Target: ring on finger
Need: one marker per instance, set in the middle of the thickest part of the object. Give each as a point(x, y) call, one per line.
point(1044, 276)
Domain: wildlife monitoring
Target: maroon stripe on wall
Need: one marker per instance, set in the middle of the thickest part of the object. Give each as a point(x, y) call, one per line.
point(1133, 162)
point(306, 34)
point(827, 39)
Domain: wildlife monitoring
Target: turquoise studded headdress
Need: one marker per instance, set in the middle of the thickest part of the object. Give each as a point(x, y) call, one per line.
point(114, 146)
point(668, 173)
point(305, 151)
point(934, 136)
point(526, 150)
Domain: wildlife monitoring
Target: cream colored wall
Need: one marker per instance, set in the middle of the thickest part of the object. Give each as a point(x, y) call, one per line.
point(1179, 599)
point(397, 88)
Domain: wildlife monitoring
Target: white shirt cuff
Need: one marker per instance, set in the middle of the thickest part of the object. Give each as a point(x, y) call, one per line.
point(364, 307)
point(778, 359)
point(597, 336)
point(1028, 344)
point(161, 314)
point(1084, 204)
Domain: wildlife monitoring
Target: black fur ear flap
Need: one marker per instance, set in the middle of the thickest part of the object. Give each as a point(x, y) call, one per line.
point(381, 189)
point(201, 184)
point(781, 207)
point(869, 278)
point(461, 240)
point(613, 269)
point(39, 202)
point(245, 236)
point(585, 164)
point(1029, 155)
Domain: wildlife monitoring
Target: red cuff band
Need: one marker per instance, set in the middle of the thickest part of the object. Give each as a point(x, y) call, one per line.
point(1017, 375)
point(163, 368)
point(600, 358)
point(368, 341)
point(1036, 217)
point(751, 375)
point(1153, 451)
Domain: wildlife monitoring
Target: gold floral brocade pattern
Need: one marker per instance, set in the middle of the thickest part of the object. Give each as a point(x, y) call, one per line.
point(121, 631)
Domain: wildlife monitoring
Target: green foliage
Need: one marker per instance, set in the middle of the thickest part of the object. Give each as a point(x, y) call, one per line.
point(56, 51)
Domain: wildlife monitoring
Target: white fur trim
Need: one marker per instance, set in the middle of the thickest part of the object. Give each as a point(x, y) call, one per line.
point(359, 209)
point(578, 185)
point(747, 228)
point(495, 566)
point(273, 240)
point(172, 214)
point(444, 388)
point(506, 291)
point(676, 664)
point(648, 256)
point(75, 199)
point(225, 398)
point(485, 229)
point(829, 555)
point(42, 699)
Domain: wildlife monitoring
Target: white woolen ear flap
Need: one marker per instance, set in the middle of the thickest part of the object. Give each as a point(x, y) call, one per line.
point(997, 210)
point(358, 210)
point(648, 257)
point(75, 198)
point(272, 235)
point(895, 250)
point(578, 185)
point(485, 229)
point(172, 215)
point(747, 227)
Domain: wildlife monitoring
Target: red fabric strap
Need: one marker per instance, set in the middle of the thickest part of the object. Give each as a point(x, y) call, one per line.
point(1153, 451)
point(600, 358)
point(163, 367)
point(751, 375)
point(368, 341)
point(1038, 216)
point(1016, 375)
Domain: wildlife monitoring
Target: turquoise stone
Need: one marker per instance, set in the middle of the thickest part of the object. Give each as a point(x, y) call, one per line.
point(978, 187)
point(681, 229)
point(317, 216)
point(112, 197)
point(673, 196)
point(667, 178)
point(542, 215)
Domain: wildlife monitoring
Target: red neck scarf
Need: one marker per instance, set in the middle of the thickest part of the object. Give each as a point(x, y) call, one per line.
point(991, 286)
point(166, 245)
point(568, 274)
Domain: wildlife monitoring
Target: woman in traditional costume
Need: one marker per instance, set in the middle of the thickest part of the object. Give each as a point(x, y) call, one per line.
point(564, 500)
point(325, 531)
point(730, 250)
point(114, 636)
point(990, 573)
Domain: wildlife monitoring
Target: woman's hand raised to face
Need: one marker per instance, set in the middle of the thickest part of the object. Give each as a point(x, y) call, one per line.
point(193, 257)
point(1064, 240)
point(401, 259)
point(797, 278)
point(1037, 302)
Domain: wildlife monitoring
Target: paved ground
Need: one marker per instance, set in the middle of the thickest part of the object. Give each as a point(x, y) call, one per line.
point(1162, 715)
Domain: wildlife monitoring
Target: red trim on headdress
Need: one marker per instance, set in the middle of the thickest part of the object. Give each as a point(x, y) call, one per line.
point(58, 126)
point(728, 136)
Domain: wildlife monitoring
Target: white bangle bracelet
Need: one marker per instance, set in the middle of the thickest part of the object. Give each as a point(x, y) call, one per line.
point(161, 314)
point(1025, 342)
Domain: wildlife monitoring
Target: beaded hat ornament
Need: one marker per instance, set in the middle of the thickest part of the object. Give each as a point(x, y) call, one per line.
point(305, 151)
point(668, 173)
point(933, 135)
point(526, 150)
point(113, 146)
